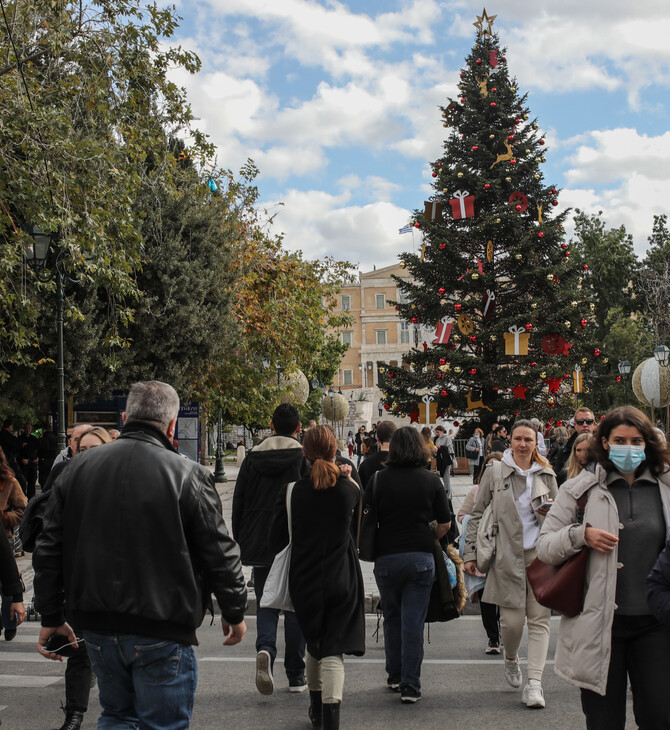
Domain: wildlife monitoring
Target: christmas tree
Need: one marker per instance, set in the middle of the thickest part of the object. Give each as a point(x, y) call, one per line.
point(494, 277)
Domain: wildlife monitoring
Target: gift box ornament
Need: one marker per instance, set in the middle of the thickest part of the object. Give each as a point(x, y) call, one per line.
point(443, 331)
point(433, 210)
point(577, 379)
point(462, 205)
point(516, 341)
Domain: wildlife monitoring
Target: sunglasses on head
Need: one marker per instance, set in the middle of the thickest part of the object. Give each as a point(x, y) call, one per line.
point(582, 421)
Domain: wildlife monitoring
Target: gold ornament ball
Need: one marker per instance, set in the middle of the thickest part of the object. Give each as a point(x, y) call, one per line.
point(457, 369)
point(543, 158)
point(508, 179)
point(567, 323)
point(535, 126)
point(538, 159)
point(580, 280)
point(444, 124)
point(543, 375)
point(592, 307)
point(493, 338)
point(475, 275)
point(533, 305)
point(403, 415)
point(584, 361)
point(402, 264)
point(394, 405)
point(525, 116)
point(457, 338)
point(550, 277)
point(537, 177)
point(444, 190)
point(518, 256)
point(574, 303)
point(512, 89)
point(460, 174)
point(527, 151)
point(492, 136)
point(606, 359)
point(382, 369)
point(497, 220)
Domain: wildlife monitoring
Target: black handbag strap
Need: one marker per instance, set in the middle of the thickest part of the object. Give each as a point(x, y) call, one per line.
point(360, 507)
point(581, 506)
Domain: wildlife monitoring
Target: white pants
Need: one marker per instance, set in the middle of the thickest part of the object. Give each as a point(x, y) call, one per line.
point(326, 676)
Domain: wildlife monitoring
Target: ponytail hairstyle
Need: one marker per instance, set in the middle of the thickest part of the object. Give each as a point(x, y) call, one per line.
point(319, 447)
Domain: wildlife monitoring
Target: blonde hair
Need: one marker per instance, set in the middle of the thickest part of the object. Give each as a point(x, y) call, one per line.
point(574, 467)
point(535, 454)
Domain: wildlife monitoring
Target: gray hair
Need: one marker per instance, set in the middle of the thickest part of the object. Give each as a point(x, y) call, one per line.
point(152, 401)
point(535, 422)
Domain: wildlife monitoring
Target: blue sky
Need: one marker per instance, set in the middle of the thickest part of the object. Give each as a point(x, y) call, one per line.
point(336, 102)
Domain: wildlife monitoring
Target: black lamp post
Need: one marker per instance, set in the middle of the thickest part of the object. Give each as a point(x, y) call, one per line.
point(662, 355)
point(219, 472)
point(331, 393)
point(624, 370)
point(45, 257)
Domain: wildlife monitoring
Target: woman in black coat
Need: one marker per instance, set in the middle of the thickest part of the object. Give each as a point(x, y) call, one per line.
point(10, 580)
point(658, 587)
point(325, 580)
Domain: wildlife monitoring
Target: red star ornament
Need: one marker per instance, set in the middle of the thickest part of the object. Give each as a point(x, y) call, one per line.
point(566, 348)
point(554, 384)
point(520, 391)
point(414, 416)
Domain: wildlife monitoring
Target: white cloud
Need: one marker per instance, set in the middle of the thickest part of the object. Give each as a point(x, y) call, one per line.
point(321, 224)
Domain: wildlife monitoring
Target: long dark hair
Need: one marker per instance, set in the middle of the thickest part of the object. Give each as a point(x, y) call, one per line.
point(407, 448)
point(656, 452)
point(6, 472)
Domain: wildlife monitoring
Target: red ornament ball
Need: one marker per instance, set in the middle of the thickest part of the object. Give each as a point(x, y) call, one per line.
point(462, 74)
point(540, 235)
point(439, 164)
point(517, 121)
point(618, 378)
point(585, 267)
point(596, 352)
point(554, 202)
point(458, 307)
point(564, 245)
point(473, 371)
point(413, 320)
point(554, 191)
point(541, 141)
point(512, 162)
point(518, 207)
point(443, 361)
point(493, 103)
point(434, 174)
point(417, 225)
point(479, 60)
point(463, 100)
point(533, 364)
point(528, 327)
point(474, 148)
point(567, 254)
point(510, 136)
point(456, 424)
point(444, 393)
point(584, 322)
point(440, 376)
point(487, 186)
point(494, 89)
point(387, 407)
point(441, 290)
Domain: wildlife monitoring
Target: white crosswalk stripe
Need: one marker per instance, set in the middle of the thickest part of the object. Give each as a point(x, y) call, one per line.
point(21, 651)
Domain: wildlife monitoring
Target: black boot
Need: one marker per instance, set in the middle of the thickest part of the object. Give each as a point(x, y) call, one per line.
point(315, 712)
point(331, 716)
point(73, 720)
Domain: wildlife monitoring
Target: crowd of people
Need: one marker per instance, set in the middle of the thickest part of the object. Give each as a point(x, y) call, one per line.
point(602, 485)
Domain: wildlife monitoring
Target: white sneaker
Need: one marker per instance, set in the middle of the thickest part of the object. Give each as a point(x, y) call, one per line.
point(265, 683)
point(532, 695)
point(513, 672)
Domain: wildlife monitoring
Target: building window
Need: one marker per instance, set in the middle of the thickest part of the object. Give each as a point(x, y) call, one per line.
point(380, 300)
point(348, 377)
point(381, 337)
point(346, 302)
point(402, 297)
point(346, 338)
point(404, 333)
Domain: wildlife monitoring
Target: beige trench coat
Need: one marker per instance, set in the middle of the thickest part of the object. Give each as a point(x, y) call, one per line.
point(584, 642)
point(506, 580)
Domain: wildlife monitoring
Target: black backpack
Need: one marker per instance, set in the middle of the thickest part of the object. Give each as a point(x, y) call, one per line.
point(31, 522)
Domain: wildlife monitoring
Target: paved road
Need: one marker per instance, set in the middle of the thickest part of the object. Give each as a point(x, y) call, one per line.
point(463, 688)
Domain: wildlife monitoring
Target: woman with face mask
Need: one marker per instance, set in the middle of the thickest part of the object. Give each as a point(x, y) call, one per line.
point(615, 639)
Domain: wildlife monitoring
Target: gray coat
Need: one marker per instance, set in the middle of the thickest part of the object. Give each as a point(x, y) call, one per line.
point(584, 642)
point(506, 581)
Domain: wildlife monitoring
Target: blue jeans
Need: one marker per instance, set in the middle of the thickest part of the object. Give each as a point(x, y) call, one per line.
point(405, 581)
point(143, 682)
point(266, 631)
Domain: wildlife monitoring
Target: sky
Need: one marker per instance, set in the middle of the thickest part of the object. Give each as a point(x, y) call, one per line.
point(337, 104)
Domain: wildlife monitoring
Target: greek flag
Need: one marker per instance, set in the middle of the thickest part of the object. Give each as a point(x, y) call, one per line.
point(405, 229)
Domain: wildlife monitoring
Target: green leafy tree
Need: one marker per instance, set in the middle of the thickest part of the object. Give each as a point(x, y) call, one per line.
point(494, 272)
point(653, 281)
point(85, 103)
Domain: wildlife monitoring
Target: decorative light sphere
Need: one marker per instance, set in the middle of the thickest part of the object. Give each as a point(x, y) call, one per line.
point(518, 257)
point(497, 220)
point(335, 409)
point(534, 305)
point(475, 275)
point(543, 375)
point(294, 387)
point(584, 360)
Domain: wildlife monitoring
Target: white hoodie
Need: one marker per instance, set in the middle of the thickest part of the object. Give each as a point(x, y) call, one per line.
point(531, 527)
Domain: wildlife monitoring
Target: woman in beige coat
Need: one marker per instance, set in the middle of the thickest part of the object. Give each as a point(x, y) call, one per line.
point(520, 487)
point(625, 524)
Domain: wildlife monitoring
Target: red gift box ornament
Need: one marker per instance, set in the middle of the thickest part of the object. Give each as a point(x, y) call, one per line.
point(443, 331)
point(433, 210)
point(463, 205)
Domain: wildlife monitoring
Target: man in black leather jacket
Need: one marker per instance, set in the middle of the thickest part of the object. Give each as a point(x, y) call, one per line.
point(132, 547)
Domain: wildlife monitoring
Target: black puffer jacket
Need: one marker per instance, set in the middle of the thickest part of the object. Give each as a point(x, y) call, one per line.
point(134, 542)
point(271, 465)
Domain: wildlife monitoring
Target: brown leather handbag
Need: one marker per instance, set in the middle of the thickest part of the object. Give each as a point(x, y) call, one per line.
point(561, 587)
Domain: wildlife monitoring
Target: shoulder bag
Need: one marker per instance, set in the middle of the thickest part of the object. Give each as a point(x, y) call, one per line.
point(561, 587)
point(367, 536)
point(276, 593)
point(487, 530)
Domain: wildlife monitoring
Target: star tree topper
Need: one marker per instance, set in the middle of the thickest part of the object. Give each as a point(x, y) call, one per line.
point(484, 18)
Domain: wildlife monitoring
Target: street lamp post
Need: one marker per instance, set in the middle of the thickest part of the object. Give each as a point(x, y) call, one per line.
point(44, 256)
point(662, 355)
point(624, 370)
point(331, 393)
point(219, 472)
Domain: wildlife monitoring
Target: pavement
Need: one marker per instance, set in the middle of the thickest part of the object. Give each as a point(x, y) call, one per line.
point(460, 486)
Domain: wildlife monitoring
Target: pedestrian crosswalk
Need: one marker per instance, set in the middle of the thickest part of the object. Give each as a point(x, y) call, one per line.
point(22, 666)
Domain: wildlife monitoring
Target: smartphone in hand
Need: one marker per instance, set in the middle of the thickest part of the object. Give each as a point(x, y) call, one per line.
point(545, 505)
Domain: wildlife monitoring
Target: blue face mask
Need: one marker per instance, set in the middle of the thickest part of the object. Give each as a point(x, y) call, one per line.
point(626, 457)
